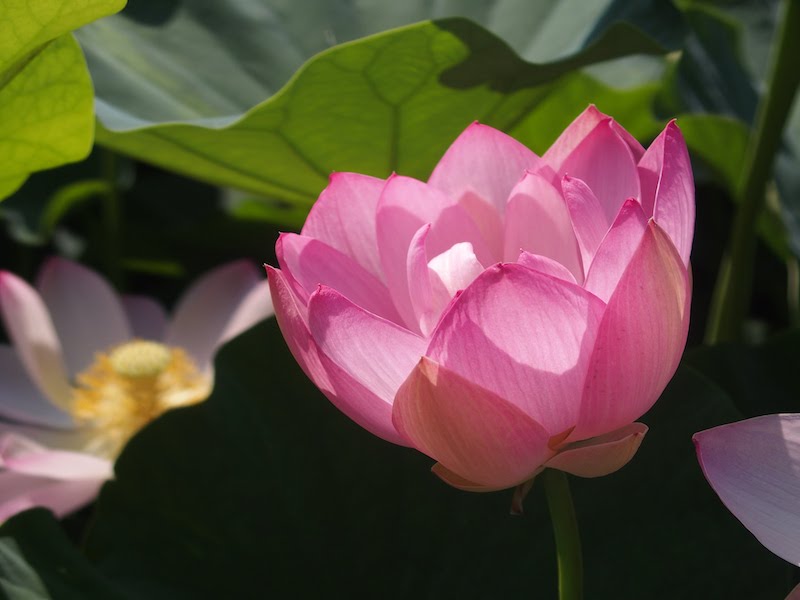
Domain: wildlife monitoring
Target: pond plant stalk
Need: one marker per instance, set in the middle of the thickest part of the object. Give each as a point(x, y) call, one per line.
point(733, 290)
point(565, 531)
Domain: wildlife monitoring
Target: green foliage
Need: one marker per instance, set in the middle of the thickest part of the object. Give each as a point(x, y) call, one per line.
point(46, 111)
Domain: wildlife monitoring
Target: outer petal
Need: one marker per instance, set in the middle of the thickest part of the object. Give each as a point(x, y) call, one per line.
point(581, 127)
point(21, 400)
point(538, 221)
point(406, 205)
point(419, 281)
point(343, 217)
point(605, 162)
point(31, 475)
point(616, 250)
point(483, 161)
point(20, 492)
point(754, 466)
point(588, 218)
point(641, 338)
point(312, 263)
point(525, 336)
point(31, 330)
point(665, 172)
point(147, 317)
point(545, 265)
point(86, 311)
point(602, 455)
point(459, 482)
point(377, 353)
point(471, 431)
point(352, 398)
point(221, 304)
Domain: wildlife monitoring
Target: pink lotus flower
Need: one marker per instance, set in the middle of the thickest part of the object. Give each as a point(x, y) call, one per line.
point(754, 466)
point(515, 312)
point(88, 369)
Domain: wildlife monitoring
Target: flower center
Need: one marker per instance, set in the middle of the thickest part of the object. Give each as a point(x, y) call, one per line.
point(129, 386)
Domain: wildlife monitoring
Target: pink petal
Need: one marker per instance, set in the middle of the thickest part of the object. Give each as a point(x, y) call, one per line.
point(526, 337)
point(377, 353)
point(406, 205)
point(221, 304)
point(352, 398)
point(31, 331)
point(616, 251)
point(545, 265)
point(343, 217)
point(605, 162)
point(22, 455)
point(483, 161)
point(641, 338)
point(668, 187)
point(86, 311)
point(459, 482)
point(581, 127)
point(588, 219)
point(794, 594)
point(312, 263)
point(602, 455)
point(471, 431)
point(73, 440)
point(538, 221)
point(754, 466)
point(19, 492)
point(21, 400)
point(147, 317)
point(419, 282)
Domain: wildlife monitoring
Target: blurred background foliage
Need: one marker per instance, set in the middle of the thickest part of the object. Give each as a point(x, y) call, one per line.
point(217, 124)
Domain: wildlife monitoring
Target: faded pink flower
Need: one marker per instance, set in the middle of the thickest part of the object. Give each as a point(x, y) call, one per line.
point(513, 313)
point(754, 466)
point(88, 369)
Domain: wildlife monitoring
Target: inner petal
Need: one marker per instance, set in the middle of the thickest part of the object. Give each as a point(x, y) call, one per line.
point(452, 271)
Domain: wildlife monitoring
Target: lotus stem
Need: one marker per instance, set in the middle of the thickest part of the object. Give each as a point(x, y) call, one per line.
point(565, 530)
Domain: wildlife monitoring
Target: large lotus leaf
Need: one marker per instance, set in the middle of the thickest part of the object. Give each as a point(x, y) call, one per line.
point(389, 102)
point(46, 112)
point(266, 490)
point(184, 60)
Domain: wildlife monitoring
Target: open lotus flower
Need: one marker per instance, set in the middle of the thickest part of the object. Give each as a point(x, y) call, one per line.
point(88, 369)
point(513, 313)
point(754, 466)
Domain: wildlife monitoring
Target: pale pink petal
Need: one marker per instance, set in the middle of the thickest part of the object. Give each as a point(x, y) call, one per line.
point(74, 440)
point(353, 399)
point(419, 282)
point(406, 205)
point(524, 335)
point(602, 455)
point(483, 161)
point(343, 217)
point(222, 303)
point(21, 400)
point(25, 456)
point(604, 161)
point(588, 218)
point(545, 265)
point(19, 492)
point(489, 222)
point(377, 353)
point(754, 466)
point(538, 221)
point(31, 330)
point(470, 430)
point(454, 269)
point(641, 338)
point(312, 263)
point(667, 182)
point(86, 312)
point(577, 131)
point(147, 318)
point(616, 251)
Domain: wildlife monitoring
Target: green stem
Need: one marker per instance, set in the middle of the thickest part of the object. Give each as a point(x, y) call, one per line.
point(732, 294)
point(565, 530)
